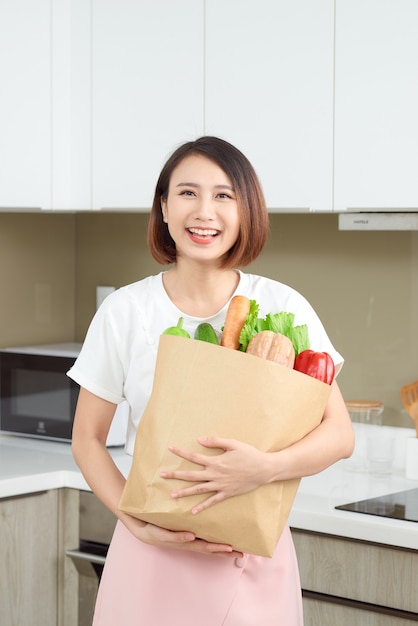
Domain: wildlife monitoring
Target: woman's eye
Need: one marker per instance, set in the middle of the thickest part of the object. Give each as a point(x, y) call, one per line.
point(224, 195)
point(187, 192)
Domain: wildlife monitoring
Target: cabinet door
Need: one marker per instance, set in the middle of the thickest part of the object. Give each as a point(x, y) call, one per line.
point(269, 91)
point(376, 104)
point(71, 104)
point(326, 613)
point(29, 559)
point(338, 568)
point(147, 94)
point(25, 104)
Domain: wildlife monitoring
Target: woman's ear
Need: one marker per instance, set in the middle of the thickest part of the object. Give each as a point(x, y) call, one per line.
point(164, 210)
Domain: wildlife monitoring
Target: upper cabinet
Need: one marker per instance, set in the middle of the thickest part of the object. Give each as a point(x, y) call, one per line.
point(95, 96)
point(25, 104)
point(321, 96)
point(147, 94)
point(376, 105)
point(269, 90)
point(44, 123)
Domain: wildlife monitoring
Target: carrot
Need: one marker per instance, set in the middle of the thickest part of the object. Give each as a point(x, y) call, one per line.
point(237, 312)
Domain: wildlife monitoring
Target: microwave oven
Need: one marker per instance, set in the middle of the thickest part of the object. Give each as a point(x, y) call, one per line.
point(38, 399)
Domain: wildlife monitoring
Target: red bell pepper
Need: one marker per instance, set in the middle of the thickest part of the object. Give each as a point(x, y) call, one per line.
point(316, 364)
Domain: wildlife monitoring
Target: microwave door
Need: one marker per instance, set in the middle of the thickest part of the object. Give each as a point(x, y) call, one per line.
point(37, 398)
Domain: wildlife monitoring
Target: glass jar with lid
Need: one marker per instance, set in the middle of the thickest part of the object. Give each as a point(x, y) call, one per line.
point(365, 411)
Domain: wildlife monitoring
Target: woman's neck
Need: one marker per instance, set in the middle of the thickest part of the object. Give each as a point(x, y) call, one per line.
point(200, 293)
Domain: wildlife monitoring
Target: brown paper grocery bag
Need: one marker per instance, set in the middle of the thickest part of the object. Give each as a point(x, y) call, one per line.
point(201, 389)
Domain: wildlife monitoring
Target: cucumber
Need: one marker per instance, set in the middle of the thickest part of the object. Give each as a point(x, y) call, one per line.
point(206, 332)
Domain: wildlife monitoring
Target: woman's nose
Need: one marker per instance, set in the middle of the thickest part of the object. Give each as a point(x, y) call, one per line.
point(205, 208)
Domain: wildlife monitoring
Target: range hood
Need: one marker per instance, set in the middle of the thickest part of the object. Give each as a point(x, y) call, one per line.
point(378, 221)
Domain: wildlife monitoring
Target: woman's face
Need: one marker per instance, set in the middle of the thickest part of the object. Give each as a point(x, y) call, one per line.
point(201, 210)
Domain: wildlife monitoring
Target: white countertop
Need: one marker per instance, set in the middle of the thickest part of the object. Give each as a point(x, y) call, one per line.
point(31, 465)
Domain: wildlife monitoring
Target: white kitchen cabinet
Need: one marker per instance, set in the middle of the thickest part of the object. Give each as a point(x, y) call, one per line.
point(25, 104)
point(376, 105)
point(321, 96)
point(269, 91)
point(44, 132)
point(147, 94)
point(71, 104)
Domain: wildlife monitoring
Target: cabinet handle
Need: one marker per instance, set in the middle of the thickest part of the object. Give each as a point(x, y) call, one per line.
point(86, 556)
point(359, 604)
point(87, 563)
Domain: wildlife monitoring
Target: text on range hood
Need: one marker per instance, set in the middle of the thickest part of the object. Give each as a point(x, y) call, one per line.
point(378, 221)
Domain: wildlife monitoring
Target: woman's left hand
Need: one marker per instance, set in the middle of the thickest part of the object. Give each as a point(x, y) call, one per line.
point(238, 469)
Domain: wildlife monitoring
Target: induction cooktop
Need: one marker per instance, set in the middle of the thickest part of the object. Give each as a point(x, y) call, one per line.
point(402, 505)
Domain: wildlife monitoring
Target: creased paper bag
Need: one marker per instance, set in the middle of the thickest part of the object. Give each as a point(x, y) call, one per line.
point(201, 389)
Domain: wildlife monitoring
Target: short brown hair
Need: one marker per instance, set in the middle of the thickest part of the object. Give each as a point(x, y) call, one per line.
point(254, 221)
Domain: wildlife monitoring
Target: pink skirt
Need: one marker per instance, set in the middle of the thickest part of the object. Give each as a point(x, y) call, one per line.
point(145, 585)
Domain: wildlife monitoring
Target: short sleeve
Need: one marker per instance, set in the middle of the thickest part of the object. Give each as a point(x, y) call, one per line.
point(99, 366)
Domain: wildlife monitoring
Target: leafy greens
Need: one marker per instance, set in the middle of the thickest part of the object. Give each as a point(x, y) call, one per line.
point(282, 323)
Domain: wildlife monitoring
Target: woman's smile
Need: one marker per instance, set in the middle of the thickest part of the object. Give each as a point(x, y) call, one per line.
point(203, 235)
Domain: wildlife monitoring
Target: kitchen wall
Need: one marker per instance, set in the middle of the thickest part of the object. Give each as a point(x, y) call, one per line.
point(364, 286)
point(37, 278)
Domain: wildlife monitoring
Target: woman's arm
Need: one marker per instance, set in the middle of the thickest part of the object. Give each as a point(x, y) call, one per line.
point(242, 468)
point(331, 441)
point(91, 425)
point(92, 422)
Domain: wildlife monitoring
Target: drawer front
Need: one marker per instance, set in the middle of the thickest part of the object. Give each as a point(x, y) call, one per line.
point(329, 614)
point(358, 570)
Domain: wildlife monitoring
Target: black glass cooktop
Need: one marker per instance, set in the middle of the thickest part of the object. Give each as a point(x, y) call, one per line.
point(401, 505)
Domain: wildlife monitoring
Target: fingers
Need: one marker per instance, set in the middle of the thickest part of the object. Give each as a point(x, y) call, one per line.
point(188, 541)
point(208, 442)
point(217, 442)
point(191, 476)
point(217, 497)
point(194, 457)
point(176, 537)
point(193, 490)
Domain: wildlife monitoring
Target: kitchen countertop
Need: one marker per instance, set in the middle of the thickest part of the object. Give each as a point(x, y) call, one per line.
point(32, 465)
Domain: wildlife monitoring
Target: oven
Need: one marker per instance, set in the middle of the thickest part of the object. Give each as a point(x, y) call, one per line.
point(96, 526)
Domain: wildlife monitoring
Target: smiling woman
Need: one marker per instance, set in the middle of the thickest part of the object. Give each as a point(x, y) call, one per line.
point(232, 180)
point(208, 219)
point(202, 215)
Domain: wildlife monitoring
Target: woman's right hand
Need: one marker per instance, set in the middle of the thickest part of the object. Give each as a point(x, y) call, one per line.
point(180, 540)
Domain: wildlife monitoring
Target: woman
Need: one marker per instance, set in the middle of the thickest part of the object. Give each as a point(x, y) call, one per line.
point(208, 218)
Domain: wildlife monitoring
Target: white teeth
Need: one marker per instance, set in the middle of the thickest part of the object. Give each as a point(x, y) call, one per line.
point(201, 231)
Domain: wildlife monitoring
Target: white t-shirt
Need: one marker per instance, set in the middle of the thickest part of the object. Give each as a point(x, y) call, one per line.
point(117, 359)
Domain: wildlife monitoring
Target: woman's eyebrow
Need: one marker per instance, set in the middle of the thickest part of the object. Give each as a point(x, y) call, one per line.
point(196, 185)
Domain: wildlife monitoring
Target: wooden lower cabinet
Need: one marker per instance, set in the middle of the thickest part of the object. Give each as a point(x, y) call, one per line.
point(37, 584)
point(348, 582)
point(319, 613)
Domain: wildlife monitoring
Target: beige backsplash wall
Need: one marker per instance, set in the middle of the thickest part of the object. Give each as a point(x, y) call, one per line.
point(37, 278)
point(364, 285)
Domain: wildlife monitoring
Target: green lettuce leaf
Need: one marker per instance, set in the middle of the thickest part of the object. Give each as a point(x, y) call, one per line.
point(250, 327)
point(277, 322)
point(283, 323)
point(280, 322)
point(299, 336)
